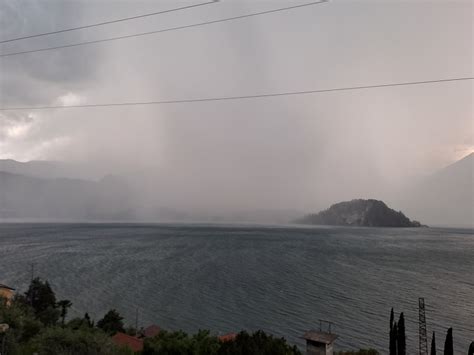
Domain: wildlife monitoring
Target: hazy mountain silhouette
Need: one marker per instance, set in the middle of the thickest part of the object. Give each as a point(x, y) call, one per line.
point(56, 190)
point(445, 197)
point(362, 213)
point(28, 197)
point(47, 169)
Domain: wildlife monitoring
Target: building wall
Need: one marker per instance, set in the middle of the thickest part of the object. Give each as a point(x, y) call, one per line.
point(6, 294)
point(329, 349)
point(318, 349)
point(315, 349)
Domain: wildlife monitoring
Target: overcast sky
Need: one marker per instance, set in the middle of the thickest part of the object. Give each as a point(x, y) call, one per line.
point(298, 151)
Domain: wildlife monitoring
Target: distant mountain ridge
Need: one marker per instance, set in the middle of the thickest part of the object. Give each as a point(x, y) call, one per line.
point(361, 213)
point(24, 197)
point(444, 198)
point(47, 169)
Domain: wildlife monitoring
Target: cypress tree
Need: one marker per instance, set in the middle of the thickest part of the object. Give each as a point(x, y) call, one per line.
point(392, 344)
point(394, 335)
point(401, 338)
point(433, 345)
point(391, 319)
point(448, 343)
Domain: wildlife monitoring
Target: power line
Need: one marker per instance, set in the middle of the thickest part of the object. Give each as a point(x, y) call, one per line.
point(244, 97)
point(164, 30)
point(107, 22)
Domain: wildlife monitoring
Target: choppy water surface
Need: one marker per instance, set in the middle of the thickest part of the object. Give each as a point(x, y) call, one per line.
point(280, 279)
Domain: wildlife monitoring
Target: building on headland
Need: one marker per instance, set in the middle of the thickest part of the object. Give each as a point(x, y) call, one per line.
point(319, 343)
point(6, 293)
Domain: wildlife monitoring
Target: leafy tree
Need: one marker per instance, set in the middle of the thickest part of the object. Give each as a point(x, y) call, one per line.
point(111, 323)
point(169, 343)
point(401, 337)
point(433, 345)
point(60, 341)
point(258, 343)
point(80, 323)
point(393, 338)
point(203, 343)
point(22, 322)
point(64, 305)
point(471, 349)
point(43, 301)
point(448, 343)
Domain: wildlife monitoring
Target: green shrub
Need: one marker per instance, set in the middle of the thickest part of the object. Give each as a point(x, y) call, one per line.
point(65, 341)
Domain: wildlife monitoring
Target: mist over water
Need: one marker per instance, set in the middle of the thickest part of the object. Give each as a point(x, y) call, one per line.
point(280, 279)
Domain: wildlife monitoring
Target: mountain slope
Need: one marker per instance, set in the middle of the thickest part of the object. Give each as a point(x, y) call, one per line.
point(444, 198)
point(72, 199)
point(47, 169)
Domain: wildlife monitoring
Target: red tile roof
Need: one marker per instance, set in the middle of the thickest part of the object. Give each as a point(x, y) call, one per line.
point(227, 337)
point(151, 331)
point(124, 340)
point(320, 337)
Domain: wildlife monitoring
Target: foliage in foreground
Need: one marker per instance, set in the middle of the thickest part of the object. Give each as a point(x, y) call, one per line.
point(38, 325)
point(167, 343)
point(56, 340)
point(202, 343)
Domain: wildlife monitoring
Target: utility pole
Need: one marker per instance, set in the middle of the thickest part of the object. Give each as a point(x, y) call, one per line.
point(136, 320)
point(31, 282)
point(423, 340)
point(32, 271)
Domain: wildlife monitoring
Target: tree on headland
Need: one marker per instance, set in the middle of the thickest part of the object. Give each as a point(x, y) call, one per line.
point(111, 323)
point(448, 343)
point(433, 345)
point(393, 337)
point(401, 337)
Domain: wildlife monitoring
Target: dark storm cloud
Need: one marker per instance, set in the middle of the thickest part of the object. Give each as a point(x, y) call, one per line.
point(40, 77)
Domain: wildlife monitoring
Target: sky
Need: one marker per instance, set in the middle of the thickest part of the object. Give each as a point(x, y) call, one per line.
point(296, 152)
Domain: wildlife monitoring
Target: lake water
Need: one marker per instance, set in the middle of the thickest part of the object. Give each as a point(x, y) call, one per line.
point(280, 279)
